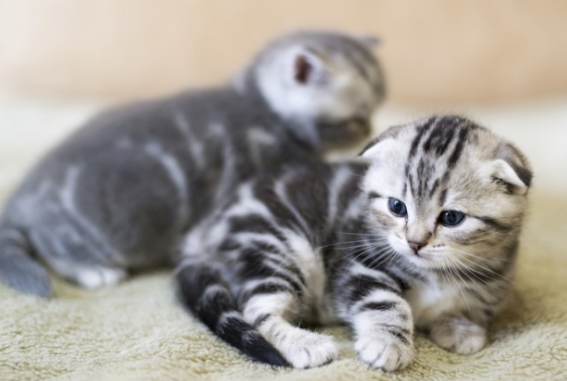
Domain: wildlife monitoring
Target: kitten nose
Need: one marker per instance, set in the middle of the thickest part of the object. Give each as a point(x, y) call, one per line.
point(415, 246)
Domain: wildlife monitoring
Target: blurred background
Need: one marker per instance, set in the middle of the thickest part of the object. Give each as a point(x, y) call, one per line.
point(503, 62)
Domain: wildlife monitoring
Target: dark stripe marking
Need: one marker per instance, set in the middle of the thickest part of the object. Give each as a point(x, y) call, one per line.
point(372, 195)
point(261, 320)
point(360, 286)
point(378, 306)
point(494, 224)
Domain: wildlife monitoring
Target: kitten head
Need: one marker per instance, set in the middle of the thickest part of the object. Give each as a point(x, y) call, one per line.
point(327, 83)
point(446, 193)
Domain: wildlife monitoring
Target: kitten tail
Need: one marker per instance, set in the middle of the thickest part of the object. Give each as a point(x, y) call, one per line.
point(202, 290)
point(17, 267)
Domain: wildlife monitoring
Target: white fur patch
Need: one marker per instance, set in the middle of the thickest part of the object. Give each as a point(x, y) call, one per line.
point(310, 263)
point(91, 277)
point(303, 349)
point(247, 204)
point(202, 239)
point(246, 237)
point(432, 300)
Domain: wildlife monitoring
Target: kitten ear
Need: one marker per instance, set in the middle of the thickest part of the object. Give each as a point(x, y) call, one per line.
point(378, 148)
point(383, 143)
point(517, 178)
point(307, 67)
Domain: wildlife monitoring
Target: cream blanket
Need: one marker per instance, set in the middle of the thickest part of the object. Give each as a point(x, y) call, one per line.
point(137, 331)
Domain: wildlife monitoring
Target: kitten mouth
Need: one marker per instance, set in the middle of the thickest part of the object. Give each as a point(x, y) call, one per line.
point(420, 259)
point(419, 256)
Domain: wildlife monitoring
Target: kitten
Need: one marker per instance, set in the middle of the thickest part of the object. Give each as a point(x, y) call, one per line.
point(425, 234)
point(117, 195)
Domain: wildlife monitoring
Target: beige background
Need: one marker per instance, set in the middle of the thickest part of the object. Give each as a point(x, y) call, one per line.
point(435, 51)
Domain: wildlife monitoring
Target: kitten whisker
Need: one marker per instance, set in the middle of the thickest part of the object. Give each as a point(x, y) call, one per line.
point(453, 268)
point(389, 254)
point(364, 251)
point(472, 269)
point(472, 276)
point(347, 243)
point(361, 234)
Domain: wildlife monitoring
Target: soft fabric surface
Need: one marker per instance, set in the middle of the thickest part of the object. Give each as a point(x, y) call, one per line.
point(137, 331)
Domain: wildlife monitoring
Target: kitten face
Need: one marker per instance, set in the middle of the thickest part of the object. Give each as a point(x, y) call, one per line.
point(330, 79)
point(445, 193)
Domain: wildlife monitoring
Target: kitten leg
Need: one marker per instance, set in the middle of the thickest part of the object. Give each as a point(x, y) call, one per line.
point(380, 317)
point(459, 335)
point(202, 289)
point(271, 314)
point(90, 277)
point(73, 255)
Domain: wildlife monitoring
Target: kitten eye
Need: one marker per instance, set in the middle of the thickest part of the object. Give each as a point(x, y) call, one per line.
point(451, 218)
point(397, 207)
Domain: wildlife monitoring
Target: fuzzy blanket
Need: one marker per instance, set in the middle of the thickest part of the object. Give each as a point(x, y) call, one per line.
point(137, 330)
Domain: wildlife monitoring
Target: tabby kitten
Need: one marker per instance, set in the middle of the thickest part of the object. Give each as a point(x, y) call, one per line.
point(118, 194)
point(425, 234)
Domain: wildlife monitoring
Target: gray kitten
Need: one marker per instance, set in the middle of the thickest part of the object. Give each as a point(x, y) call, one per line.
point(117, 194)
point(424, 235)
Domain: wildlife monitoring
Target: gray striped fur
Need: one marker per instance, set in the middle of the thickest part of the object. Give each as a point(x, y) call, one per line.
point(320, 244)
point(117, 195)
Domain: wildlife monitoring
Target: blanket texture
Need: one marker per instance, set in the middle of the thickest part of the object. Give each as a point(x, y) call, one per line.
point(137, 330)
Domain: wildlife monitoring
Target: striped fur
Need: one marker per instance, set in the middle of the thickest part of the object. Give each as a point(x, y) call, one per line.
point(320, 244)
point(118, 194)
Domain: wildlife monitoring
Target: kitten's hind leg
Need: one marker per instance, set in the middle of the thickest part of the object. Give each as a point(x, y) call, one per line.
point(90, 276)
point(202, 289)
point(75, 256)
point(271, 312)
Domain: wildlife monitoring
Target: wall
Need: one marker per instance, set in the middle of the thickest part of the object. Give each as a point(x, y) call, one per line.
point(435, 51)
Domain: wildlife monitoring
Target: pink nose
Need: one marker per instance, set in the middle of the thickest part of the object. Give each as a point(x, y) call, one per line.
point(415, 246)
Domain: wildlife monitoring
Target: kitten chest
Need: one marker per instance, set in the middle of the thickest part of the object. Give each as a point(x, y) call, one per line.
point(431, 299)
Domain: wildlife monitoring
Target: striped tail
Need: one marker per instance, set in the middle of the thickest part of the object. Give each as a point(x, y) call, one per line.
point(17, 267)
point(202, 290)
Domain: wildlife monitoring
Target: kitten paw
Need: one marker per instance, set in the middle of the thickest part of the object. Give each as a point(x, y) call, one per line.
point(384, 351)
point(459, 335)
point(96, 277)
point(307, 349)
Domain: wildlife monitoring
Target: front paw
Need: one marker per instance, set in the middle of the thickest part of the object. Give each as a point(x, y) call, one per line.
point(459, 335)
point(385, 351)
point(304, 349)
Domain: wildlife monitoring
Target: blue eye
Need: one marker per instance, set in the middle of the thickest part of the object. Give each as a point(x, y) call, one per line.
point(397, 207)
point(451, 218)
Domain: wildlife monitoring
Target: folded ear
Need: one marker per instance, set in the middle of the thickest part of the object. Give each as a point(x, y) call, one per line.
point(382, 143)
point(379, 149)
point(307, 67)
point(512, 170)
